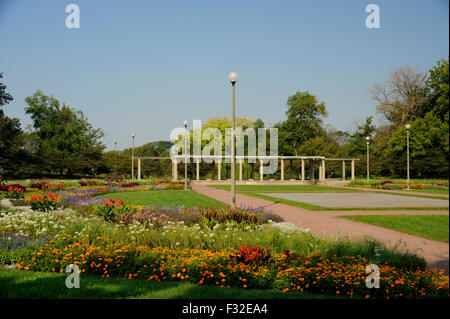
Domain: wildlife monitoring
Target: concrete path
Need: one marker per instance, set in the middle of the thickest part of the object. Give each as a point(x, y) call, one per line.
point(326, 224)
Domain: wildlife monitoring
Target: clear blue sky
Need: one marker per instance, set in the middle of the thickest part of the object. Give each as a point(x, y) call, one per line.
point(145, 66)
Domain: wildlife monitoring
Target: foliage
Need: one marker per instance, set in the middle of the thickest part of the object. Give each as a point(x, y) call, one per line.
point(304, 118)
point(15, 192)
point(62, 134)
point(332, 275)
point(45, 202)
point(254, 255)
point(38, 183)
point(111, 209)
point(88, 182)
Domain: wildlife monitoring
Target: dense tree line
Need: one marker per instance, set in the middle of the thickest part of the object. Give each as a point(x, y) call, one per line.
point(62, 142)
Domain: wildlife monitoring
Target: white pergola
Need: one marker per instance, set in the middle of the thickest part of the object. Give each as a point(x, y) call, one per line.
point(262, 159)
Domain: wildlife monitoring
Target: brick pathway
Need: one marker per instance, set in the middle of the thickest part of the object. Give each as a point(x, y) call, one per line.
point(325, 223)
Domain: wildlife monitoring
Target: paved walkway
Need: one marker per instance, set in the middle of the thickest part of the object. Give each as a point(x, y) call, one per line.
point(325, 223)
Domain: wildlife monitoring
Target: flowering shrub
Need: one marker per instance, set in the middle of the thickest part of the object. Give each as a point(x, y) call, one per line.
point(15, 192)
point(343, 276)
point(5, 188)
point(254, 255)
point(44, 203)
point(53, 187)
point(110, 209)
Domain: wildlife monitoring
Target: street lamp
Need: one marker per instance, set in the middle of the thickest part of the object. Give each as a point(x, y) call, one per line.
point(367, 143)
point(407, 126)
point(132, 156)
point(185, 154)
point(233, 77)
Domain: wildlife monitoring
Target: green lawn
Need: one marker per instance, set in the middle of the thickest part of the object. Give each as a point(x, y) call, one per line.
point(286, 188)
point(27, 284)
point(186, 198)
point(429, 190)
point(434, 227)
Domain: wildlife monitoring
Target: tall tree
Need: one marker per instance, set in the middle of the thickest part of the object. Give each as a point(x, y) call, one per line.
point(11, 140)
point(403, 97)
point(304, 120)
point(357, 142)
point(62, 133)
point(439, 83)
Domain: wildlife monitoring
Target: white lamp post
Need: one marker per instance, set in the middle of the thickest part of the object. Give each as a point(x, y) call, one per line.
point(233, 77)
point(368, 170)
point(185, 153)
point(407, 126)
point(132, 156)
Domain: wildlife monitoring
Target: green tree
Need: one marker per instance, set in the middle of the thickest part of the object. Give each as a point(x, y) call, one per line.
point(357, 142)
point(439, 83)
point(62, 134)
point(11, 139)
point(304, 120)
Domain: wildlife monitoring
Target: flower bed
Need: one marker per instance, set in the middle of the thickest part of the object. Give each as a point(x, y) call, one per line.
point(344, 276)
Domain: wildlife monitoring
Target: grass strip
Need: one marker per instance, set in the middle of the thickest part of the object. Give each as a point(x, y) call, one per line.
point(434, 227)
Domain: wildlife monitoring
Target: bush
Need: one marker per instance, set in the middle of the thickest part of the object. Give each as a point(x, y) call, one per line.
point(130, 185)
point(38, 183)
point(15, 193)
point(45, 203)
point(5, 188)
point(88, 182)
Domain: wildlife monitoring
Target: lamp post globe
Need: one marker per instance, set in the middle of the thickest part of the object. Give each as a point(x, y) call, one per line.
point(233, 77)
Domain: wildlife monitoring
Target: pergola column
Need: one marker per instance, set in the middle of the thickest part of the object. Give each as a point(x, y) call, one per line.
point(174, 169)
point(311, 169)
point(303, 170)
point(353, 170)
point(219, 175)
point(197, 169)
point(261, 170)
point(282, 170)
point(343, 170)
point(323, 170)
point(240, 169)
point(139, 168)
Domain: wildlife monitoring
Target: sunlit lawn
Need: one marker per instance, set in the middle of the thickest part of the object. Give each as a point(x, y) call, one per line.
point(434, 227)
point(185, 198)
